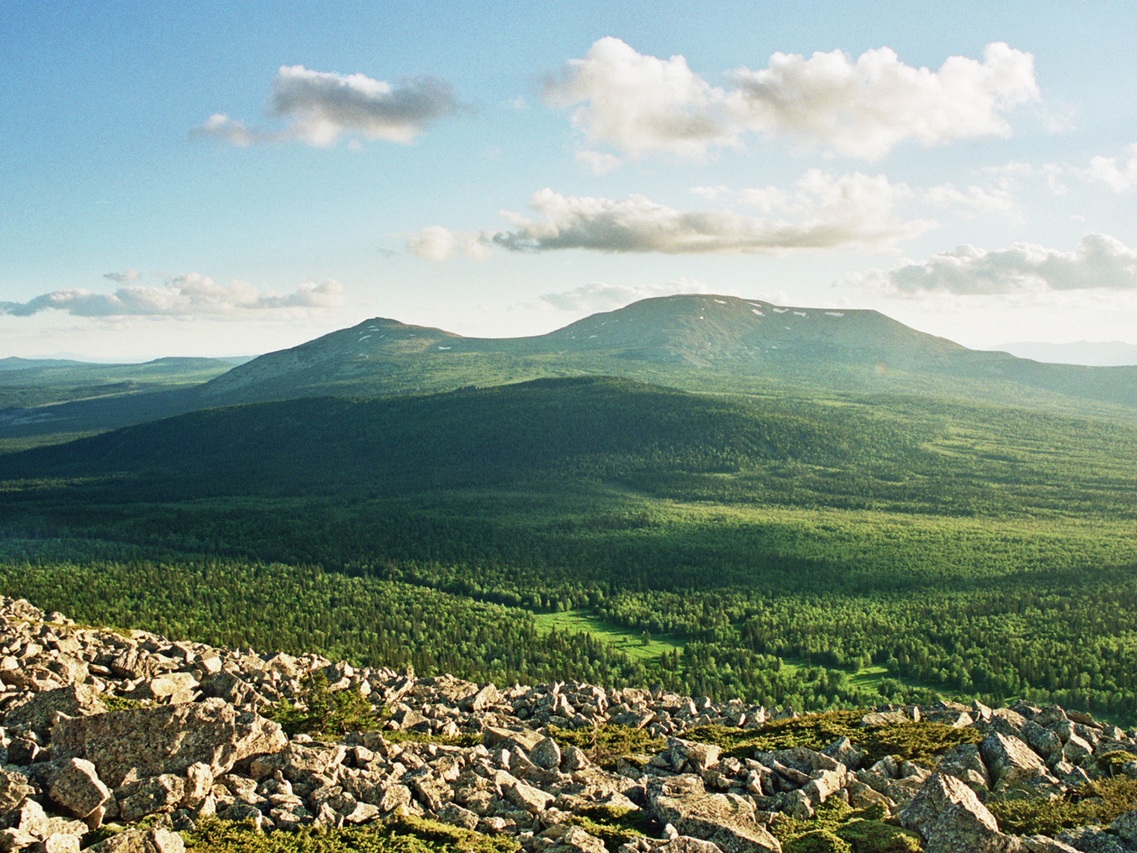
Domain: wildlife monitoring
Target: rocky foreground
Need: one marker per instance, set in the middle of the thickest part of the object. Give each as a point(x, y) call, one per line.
point(103, 730)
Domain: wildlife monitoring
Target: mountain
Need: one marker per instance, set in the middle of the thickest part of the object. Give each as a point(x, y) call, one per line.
point(693, 342)
point(676, 340)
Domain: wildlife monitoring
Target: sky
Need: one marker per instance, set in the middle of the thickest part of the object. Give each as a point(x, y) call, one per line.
point(225, 179)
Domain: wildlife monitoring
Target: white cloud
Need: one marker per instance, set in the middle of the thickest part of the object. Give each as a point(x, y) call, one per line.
point(599, 296)
point(186, 295)
point(642, 104)
point(862, 108)
point(319, 107)
point(1119, 173)
point(441, 244)
point(1100, 262)
point(821, 211)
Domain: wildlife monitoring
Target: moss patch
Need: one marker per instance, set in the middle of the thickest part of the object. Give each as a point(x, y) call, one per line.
point(411, 835)
point(919, 742)
point(607, 744)
point(1101, 802)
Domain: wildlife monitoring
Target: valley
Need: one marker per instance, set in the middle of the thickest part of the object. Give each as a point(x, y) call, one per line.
point(789, 533)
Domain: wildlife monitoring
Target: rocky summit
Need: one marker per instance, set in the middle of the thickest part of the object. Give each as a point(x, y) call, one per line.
point(126, 741)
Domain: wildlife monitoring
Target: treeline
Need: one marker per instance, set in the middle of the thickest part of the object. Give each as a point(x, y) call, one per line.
point(1064, 642)
point(381, 623)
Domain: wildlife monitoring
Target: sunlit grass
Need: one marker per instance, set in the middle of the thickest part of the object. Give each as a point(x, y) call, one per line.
point(625, 640)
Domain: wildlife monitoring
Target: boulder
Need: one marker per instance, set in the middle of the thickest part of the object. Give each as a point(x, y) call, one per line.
point(1011, 762)
point(950, 818)
point(39, 711)
point(156, 840)
point(145, 742)
point(15, 787)
point(77, 789)
point(724, 820)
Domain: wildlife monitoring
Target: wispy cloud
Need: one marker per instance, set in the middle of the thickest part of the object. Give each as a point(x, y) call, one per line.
point(320, 107)
point(1100, 262)
point(862, 108)
point(123, 277)
point(600, 296)
point(821, 211)
point(188, 295)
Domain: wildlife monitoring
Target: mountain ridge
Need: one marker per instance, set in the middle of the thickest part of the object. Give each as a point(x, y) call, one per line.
point(698, 342)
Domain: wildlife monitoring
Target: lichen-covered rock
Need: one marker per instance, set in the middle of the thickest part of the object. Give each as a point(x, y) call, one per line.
point(39, 711)
point(950, 818)
point(15, 787)
point(77, 789)
point(145, 742)
point(726, 821)
point(157, 840)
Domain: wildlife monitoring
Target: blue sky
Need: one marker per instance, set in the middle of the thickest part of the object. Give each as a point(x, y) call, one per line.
point(224, 179)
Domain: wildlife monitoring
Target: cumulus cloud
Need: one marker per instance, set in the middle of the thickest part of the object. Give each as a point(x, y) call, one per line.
point(859, 108)
point(863, 108)
point(187, 295)
point(642, 104)
point(599, 296)
point(319, 107)
point(821, 212)
point(1100, 262)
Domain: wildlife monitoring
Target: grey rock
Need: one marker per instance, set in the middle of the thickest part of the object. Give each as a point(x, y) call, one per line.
point(156, 840)
point(150, 741)
point(1125, 827)
point(951, 819)
point(77, 789)
point(15, 787)
point(40, 710)
point(1010, 761)
point(726, 821)
point(546, 754)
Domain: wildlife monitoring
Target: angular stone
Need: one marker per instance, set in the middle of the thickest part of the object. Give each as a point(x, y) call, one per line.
point(546, 754)
point(15, 787)
point(171, 688)
point(162, 793)
point(693, 756)
point(1042, 844)
point(726, 821)
point(951, 819)
point(156, 840)
point(149, 741)
point(77, 789)
point(39, 712)
point(528, 798)
point(1009, 761)
point(1125, 827)
point(686, 844)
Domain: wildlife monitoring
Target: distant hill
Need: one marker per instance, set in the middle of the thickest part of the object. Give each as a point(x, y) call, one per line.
point(1097, 353)
point(578, 428)
point(28, 383)
point(695, 342)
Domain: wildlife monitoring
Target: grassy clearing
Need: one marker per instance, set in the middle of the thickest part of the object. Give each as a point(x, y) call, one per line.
point(623, 639)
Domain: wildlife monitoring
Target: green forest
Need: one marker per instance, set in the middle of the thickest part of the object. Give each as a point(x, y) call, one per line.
point(809, 550)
